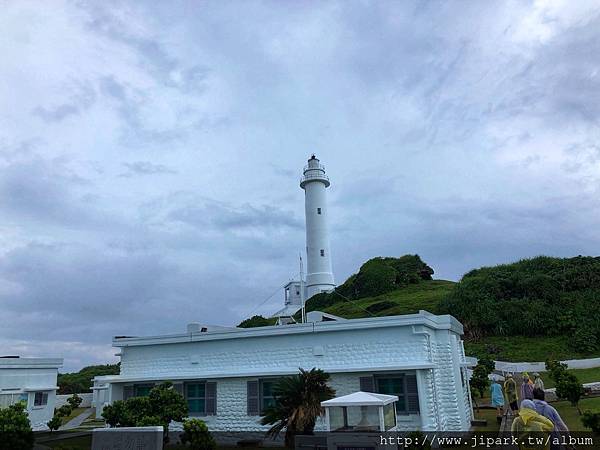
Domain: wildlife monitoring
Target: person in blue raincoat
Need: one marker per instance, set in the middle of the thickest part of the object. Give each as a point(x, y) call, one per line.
point(497, 397)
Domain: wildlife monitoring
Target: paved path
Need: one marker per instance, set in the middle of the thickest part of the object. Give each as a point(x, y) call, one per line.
point(77, 421)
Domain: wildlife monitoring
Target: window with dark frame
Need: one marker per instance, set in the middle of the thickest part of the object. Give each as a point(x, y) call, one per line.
point(267, 398)
point(402, 385)
point(318, 210)
point(322, 252)
point(195, 394)
point(142, 390)
point(40, 399)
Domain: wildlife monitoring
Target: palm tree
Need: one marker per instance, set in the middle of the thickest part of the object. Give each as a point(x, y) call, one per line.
point(298, 404)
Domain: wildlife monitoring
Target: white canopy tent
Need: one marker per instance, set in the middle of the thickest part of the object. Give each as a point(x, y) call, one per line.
point(361, 411)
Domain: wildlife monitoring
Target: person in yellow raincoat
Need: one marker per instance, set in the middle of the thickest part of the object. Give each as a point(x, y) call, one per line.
point(531, 429)
point(510, 388)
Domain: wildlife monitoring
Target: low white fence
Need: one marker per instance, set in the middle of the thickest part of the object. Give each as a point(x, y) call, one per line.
point(86, 400)
point(516, 367)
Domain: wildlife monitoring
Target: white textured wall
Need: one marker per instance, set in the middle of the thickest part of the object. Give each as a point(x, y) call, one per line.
point(32, 378)
point(345, 354)
point(86, 398)
point(343, 350)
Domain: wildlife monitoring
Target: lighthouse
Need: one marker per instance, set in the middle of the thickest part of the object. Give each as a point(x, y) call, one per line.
point(314, 181)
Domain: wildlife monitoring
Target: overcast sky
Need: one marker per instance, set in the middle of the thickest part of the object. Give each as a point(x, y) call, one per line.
point(150, 152)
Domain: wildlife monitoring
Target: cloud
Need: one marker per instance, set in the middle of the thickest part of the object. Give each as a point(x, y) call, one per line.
point(150, 153)
point(146, 168)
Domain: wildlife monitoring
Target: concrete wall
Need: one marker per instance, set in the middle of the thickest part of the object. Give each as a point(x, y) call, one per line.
point(86, 400)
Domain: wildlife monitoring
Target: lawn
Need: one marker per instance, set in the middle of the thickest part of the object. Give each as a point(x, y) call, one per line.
point(490, 416)
point(74, 413)
point(408, 300)
point(74, 443)
point(584, 376)
point(570, 415)
point(527, 349)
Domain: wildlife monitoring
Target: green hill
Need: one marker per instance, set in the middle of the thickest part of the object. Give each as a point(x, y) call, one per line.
point(405, 300)
point(79, 382)
point(529, 310)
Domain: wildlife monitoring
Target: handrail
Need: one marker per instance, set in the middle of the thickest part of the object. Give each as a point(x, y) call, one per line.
point(317, 167)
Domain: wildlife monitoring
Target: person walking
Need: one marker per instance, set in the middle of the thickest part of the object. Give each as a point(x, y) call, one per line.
point(526, 388)
point(510, 388)
point(548, 411)
point(538, 383)
point(497, 397)
point(530, 424)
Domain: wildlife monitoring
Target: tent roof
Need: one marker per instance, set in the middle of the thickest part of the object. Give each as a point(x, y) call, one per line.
point(361, 399)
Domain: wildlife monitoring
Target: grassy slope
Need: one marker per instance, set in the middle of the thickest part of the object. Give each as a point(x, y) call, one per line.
point(425, 295)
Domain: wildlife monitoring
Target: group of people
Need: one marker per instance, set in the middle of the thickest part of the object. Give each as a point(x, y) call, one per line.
point(528, 405)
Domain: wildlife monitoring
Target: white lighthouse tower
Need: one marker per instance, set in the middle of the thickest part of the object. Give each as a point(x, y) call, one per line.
point(319, 276)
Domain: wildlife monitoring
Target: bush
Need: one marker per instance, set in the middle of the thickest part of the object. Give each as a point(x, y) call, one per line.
point(15, 428)
point(64, 411)
point(533, 297)
point(115, 414)
point(569, 388)
point(74, 400)
point(591, 419)
point(257, 321)
point(160, 407)
point(380, 306)
point(54, 423)
point(195, 432)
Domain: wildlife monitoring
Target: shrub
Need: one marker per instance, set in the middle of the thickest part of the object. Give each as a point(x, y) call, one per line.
point(195, 432)
point(591, 419)
point(160, 407)
point(54, 423)
point(555, 369)
point(15, 428)
point(64, 411)
point(569, 388)
point(74, 400)
point(380, 306)
point(479, 380)
point(256, 321)
point(115, 414)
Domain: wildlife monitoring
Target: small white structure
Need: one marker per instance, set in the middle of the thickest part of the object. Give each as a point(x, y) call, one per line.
point(319, 275)
point(227, 375)
point(361, 411)
point(32, 381)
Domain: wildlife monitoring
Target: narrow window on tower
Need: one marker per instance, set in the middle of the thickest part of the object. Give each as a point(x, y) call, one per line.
point(322, 252)
point(318, 210)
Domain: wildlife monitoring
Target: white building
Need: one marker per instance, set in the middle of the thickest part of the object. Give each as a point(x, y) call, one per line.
point(319, 274)
point(227, 375)
point(32, 381)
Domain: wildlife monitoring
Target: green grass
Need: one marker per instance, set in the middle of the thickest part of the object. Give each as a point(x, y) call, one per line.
point(570, 415)
point(73, 443)
point(490, 416)
point(408, 300)
point(528, 349)
point(583, 375)
point(73, 414)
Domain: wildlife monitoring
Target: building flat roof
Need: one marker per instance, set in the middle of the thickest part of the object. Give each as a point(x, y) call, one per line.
point(423, 318)
point(30, 363)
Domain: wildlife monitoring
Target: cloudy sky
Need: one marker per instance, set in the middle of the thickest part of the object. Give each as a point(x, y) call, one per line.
point(150, 151)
